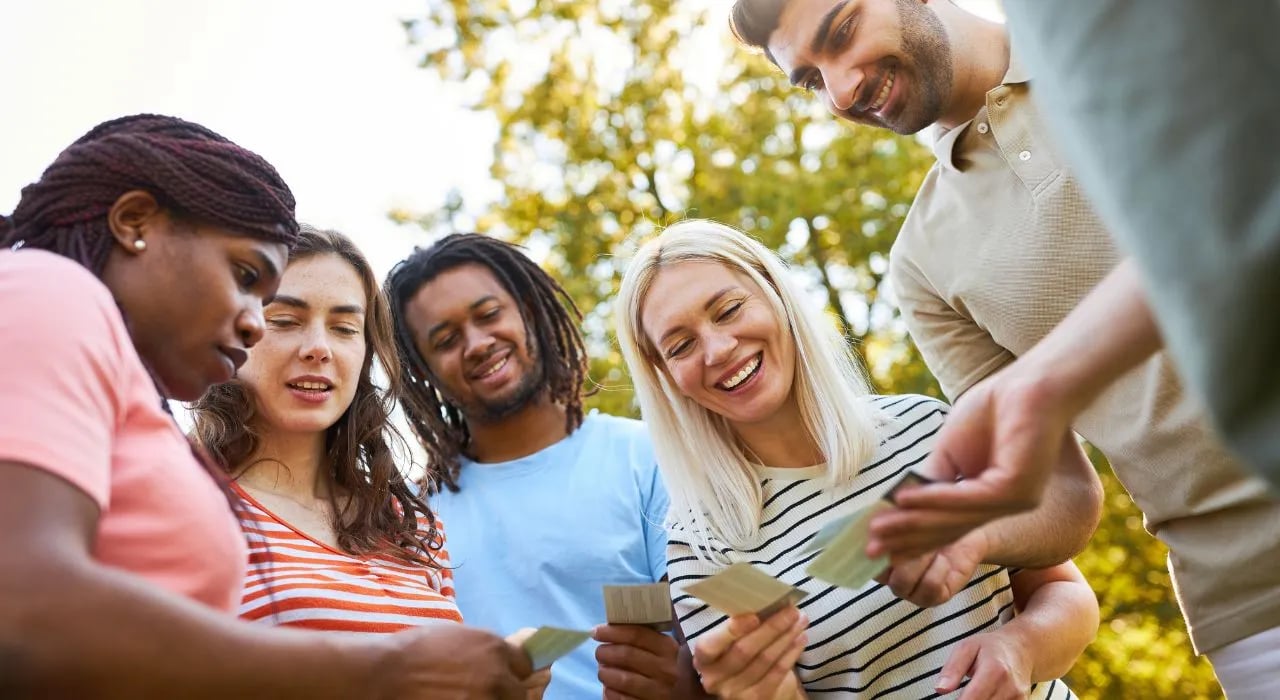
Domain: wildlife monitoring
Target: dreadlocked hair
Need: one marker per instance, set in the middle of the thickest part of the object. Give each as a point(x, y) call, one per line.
point(380, 513)
point(196, 174)
point(554, 340)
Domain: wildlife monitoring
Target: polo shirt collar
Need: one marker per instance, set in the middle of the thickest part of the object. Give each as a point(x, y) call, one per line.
point(944, 140)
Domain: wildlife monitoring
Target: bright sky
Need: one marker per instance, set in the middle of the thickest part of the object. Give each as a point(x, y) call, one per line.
point(326, 90)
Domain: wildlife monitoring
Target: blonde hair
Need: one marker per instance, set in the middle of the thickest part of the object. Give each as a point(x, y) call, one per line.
point(715, 493)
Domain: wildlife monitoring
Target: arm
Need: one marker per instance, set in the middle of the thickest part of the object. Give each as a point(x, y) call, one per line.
point(1209, 245)
point(1053, 532)
point(72, 628)
point(1057, 618)
point(1006, 436)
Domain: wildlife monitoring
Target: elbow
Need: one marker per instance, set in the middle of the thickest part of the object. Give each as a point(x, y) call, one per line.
point(34, 644)
point(1087, 513)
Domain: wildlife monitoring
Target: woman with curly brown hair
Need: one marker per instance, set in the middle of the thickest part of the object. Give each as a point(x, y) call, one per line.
point(304, 432)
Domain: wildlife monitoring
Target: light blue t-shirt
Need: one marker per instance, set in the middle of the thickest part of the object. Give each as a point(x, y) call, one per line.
point(534, 540)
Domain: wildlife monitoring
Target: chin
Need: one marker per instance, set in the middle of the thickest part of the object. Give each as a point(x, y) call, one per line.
point(179, 390)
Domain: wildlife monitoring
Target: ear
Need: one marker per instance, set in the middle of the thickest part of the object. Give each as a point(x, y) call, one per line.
point(133, 214)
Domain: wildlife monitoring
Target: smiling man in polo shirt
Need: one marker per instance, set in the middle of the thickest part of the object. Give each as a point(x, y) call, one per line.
point(1000, 245)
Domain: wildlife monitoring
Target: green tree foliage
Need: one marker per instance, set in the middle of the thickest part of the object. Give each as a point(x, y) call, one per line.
point(640, 118)
point(1142, 650)
point(617, 118)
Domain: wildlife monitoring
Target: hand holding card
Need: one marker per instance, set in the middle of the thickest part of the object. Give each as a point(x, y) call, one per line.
point(843, 542)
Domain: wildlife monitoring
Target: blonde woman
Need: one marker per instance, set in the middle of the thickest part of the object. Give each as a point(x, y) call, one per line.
point(764, 430)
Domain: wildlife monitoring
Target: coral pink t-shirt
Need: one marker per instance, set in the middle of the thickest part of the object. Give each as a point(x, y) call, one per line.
point(76, 401)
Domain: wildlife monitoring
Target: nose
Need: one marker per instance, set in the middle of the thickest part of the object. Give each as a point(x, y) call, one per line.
point(842, 87)
point(250, 325)
point(315, 344)
point(719, 348)
point(479, 343)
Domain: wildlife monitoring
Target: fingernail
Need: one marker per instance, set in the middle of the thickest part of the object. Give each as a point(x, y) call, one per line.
point(944, 685)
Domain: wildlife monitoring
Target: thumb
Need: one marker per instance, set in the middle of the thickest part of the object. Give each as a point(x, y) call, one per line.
point(963, 448)
point(711, 645)
point(957, 666)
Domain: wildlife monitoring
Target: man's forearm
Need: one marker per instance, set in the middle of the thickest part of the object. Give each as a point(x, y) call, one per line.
point(1109, 333)
point(1060, 527)
point(1058, 618)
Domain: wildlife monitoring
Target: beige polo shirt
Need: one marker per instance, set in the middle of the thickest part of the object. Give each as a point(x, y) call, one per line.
point(998, 247)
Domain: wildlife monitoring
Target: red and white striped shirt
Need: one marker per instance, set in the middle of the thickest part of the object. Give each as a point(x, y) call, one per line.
point(297, 581)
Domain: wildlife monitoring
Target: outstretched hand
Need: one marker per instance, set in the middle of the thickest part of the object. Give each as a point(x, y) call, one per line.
point(992, 458)
point(932, 579)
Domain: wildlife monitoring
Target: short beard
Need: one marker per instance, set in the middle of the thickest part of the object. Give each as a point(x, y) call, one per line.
point(924, 39)
point(529, 388)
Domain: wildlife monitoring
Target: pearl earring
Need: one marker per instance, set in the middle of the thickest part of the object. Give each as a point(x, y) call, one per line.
point(139, 245)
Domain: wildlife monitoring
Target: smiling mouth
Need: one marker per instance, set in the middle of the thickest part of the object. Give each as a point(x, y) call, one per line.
point(742, 375)
point(885, 89)
point(315, 387)
point(494, 369)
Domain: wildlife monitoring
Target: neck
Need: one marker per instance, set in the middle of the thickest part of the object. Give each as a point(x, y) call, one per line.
point(536, 426)
point(980, 56)
point(782, 440)
point(289, 464)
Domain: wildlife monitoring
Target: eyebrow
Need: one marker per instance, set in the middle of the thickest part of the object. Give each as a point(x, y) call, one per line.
point(474, 305)
point(297, 303)
point(824, 27)
point(273, 272)
point(705, 307)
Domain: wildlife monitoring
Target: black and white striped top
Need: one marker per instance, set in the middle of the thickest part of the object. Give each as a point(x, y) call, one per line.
point(865, 643)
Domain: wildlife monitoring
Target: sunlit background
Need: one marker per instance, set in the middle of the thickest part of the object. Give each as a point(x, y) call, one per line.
point(385, 118)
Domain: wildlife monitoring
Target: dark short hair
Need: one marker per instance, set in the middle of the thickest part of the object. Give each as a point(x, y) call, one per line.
point(754, 21)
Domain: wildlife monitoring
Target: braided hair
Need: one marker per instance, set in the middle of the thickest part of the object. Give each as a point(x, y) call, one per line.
point(551, 321)
point(196, 174)
point(190, 170)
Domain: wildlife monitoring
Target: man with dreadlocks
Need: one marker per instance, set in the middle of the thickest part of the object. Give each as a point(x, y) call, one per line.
point(545, 505)
point(143, 256)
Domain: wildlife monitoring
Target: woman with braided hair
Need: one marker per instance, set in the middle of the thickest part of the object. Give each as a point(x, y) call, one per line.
point(135, 270)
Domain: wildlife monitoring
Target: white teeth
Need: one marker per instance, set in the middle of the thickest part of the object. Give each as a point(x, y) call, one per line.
point(311, 386)
point(742, 374)
point(495, 368)
point(884, 91)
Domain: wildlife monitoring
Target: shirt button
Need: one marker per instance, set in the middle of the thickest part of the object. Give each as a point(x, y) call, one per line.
point(1025, 155)
point(983, 128)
